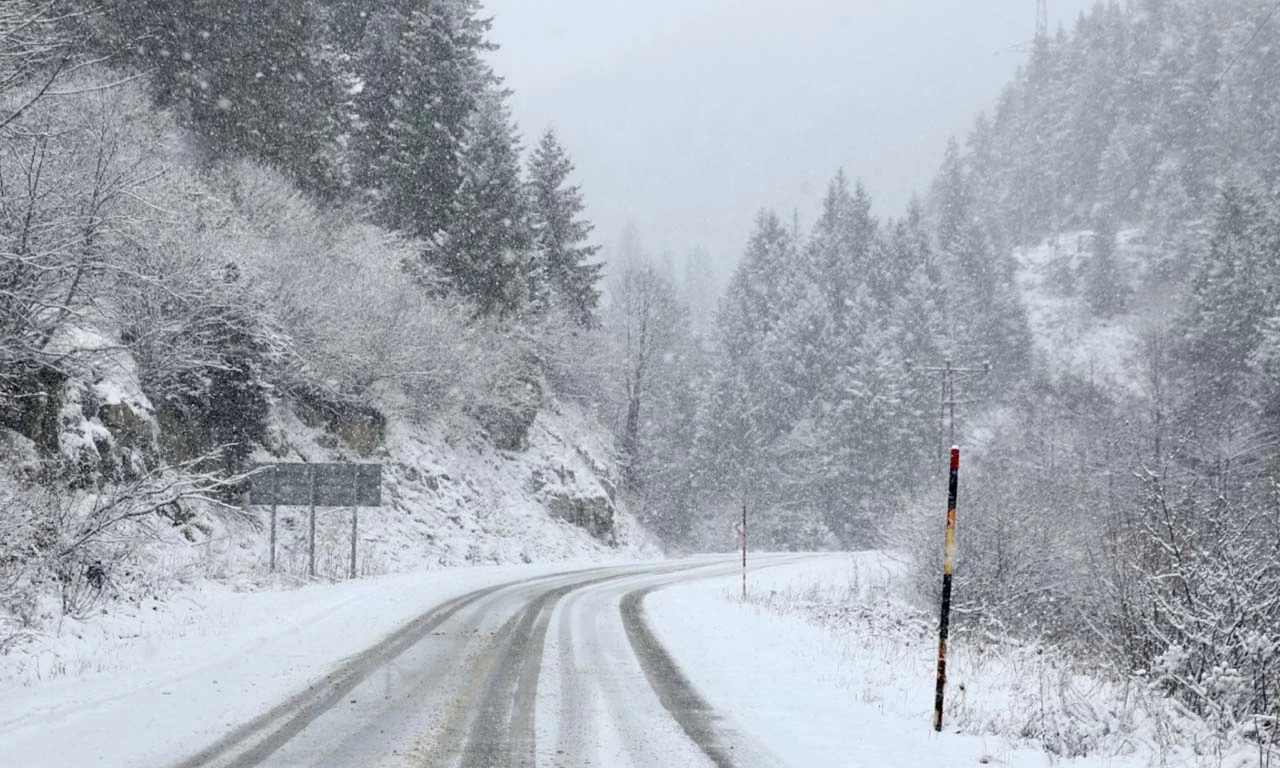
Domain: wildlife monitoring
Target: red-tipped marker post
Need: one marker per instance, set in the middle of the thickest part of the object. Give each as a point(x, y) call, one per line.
point(948, 566)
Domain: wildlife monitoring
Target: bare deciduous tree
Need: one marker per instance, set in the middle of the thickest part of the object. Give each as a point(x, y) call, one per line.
point(646, 313)
point(34, 52)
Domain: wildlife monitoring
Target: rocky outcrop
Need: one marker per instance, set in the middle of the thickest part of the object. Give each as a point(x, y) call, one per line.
point(507, 425)
point(361, 428)
point(583, 501)
point(593, 513)
point(30, 403)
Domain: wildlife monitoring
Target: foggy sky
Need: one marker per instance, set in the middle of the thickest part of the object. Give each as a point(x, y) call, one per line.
point(685, 117)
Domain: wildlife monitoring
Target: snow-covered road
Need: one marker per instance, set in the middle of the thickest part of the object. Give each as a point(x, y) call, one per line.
point(635, 665)
point(546, 669)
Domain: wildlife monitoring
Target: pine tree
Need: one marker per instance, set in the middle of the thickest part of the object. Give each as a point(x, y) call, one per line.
point(487, 245)
point(752, 401)
point(985, 318)
point(951, 200)
point(1232, 295)
point(563, 270)
point(758, 292)
point(916, 324)
point(841, 253)
point(249, 78)
point(421, 80)
point(905, 249)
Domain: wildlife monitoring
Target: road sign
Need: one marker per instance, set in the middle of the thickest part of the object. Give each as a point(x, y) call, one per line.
point(316, 485)
point(368, 485)
point(283, 484)
point(324, 485)
point(335, 484)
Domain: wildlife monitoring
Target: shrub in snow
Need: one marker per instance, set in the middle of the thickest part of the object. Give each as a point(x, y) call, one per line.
point(356, 305)
point(58, 540)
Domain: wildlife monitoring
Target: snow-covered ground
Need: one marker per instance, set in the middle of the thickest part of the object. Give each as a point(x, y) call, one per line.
point(1066, 332)
point(449, 499)
point(824, 664)
point(828, 667)
point(146, 689)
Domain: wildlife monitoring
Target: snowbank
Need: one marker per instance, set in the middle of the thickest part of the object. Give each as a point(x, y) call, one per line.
point(829, 667)
point(181, 672)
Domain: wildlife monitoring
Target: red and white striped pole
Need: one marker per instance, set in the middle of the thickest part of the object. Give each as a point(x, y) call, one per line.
point(948, 566)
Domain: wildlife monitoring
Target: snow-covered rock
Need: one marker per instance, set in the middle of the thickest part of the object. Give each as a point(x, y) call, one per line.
point(450, 497)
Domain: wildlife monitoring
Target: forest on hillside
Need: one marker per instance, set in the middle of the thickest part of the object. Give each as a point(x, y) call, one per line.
point(212, 211)
point(1129, 514)
point(1137, 512)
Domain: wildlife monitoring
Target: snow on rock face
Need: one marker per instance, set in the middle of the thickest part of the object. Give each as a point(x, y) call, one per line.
point(450, 497)
point(106, 424)
point(507, 426)
point(571, 482)
point(92, 411)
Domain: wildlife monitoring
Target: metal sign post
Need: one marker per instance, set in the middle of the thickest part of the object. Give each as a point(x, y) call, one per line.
point(355, 522)
point(311, 540)
point(317, 485)
point(274, 495)
point(355, 525)
point(948, 565)
point(743, 531)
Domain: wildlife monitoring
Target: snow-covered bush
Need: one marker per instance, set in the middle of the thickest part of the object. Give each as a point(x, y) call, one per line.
point(68, 170)
point(1201, 617)
point(1100, 534)
point(76, 545)
point(351, 298)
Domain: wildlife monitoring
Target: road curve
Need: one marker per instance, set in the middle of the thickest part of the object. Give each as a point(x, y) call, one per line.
point(560, 671)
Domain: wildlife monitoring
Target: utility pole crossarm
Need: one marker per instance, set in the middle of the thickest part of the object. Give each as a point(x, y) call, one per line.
point(948, 401)
point(984, 368)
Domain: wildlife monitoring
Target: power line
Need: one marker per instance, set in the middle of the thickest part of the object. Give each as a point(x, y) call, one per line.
point(1249, 44)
